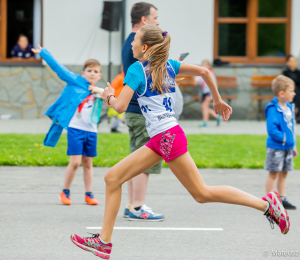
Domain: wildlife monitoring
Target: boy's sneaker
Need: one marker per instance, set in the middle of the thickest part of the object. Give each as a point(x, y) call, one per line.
point(65, 197)
point(127, 210)
point(288, 205)
point(93, 245)
point(145, 214)
point(276, 212)
point(89, 199)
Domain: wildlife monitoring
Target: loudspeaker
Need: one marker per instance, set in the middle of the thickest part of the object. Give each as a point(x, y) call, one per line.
point(112, 12)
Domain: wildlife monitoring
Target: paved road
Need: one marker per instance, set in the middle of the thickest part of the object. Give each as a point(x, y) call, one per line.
point(34, 225)
point(232, 127)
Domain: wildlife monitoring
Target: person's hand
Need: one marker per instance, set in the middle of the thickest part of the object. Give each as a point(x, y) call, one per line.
point(224, 109)
point(37, 50)
point(295, 152)
point(178, 59)
point(107, 91)
point(95, 90)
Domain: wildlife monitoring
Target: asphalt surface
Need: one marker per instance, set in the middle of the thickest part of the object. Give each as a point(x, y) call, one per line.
point(35, 225)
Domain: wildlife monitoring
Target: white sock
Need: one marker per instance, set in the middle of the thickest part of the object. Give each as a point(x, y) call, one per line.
point(105, 243)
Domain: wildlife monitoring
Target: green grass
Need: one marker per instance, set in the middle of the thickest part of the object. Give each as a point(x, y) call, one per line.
point(208, 151)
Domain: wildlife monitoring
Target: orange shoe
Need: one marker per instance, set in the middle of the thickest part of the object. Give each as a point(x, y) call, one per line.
point(65, 197)
point(89, 199)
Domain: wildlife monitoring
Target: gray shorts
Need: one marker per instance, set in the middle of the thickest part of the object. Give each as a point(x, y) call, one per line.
point(139, 136)
point(279, 160)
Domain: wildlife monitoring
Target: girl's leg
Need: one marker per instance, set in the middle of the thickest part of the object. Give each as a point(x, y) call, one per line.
point(281, 183)
point(205, 108)
point(212, 113)
point(270, 181)
point(139, 161)
point(187, 173)
point(87, 164)
point(74, 163)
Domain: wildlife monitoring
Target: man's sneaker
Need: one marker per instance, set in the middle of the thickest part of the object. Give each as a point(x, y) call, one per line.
point(127, 210)
point(65, 197)
point(93, 244)
point(89, 199)
point(276, 212)
point(145, 214)
point(288, 205)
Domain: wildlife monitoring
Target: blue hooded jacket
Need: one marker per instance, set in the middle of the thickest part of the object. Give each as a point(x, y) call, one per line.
point(63, 109)
point(277, 127)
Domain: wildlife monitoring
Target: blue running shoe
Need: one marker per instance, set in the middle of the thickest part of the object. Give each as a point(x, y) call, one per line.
point(145, 214)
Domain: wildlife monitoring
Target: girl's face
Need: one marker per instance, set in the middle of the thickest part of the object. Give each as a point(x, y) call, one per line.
point(137, 48)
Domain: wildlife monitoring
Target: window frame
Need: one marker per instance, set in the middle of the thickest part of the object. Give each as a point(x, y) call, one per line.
point(3, 38)
point(252, 20)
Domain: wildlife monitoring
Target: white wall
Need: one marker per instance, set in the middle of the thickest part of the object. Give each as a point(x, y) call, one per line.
point(190, 24)
point(71, 32)
point(71, 29)
point(295, 37)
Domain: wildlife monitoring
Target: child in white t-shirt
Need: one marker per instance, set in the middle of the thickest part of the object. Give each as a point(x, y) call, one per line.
point(82, 133)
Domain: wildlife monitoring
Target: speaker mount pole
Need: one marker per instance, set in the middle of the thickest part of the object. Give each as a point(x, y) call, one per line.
point(109, 58)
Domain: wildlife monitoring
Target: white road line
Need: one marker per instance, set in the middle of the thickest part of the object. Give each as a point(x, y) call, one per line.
point(154, 228)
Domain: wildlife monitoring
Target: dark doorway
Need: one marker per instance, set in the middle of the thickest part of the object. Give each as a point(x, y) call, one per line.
point(19, 21)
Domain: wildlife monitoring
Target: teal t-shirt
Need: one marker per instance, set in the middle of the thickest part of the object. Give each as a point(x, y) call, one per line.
point(135, 77)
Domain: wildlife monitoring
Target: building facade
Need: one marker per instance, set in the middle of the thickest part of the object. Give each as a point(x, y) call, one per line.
point(247, 34)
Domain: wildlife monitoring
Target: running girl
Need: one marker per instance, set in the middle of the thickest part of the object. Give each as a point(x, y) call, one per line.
point(207, 97)
point(153, 81)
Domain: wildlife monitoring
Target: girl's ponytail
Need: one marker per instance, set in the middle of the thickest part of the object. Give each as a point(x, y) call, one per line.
point(158, 43)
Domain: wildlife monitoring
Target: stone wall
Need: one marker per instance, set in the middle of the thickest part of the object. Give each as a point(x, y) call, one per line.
point(243, 107)
point(27, 92)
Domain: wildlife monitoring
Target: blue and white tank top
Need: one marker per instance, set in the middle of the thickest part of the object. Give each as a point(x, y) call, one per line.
point(158, 109)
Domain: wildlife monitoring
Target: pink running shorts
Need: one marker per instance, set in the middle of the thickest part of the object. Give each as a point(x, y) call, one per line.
point(169, 144)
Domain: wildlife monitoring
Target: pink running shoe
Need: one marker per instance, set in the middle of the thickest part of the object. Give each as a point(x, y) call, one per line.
point(93, 244)
point(276, 212)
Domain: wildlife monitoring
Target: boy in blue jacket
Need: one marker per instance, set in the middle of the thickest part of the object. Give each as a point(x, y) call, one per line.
point(73, 111)
point(281, 141)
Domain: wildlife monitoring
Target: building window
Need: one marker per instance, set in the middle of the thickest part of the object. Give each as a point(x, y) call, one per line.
point(252, 31)
point(19, 17)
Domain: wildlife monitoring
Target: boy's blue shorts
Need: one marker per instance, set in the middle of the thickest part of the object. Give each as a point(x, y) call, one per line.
point(81, 142)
